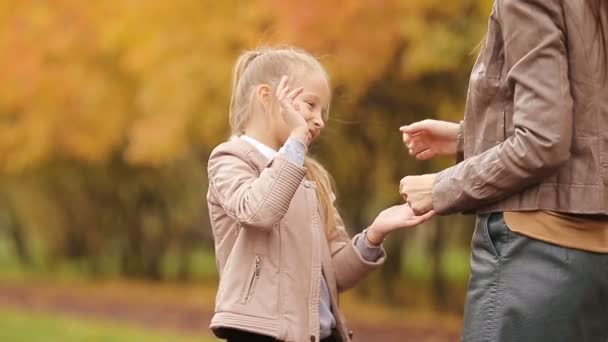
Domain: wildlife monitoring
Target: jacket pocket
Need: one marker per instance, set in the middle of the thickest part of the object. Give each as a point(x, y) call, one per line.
point(255, 275)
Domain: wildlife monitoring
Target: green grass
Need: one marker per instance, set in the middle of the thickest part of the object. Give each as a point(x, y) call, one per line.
point(19, 327)
point(202, 267)
point(454, 264)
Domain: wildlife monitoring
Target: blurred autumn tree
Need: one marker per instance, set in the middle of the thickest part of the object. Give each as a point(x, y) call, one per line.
point(109, 110)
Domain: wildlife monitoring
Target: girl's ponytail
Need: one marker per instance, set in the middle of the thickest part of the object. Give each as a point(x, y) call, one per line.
point(237, 117)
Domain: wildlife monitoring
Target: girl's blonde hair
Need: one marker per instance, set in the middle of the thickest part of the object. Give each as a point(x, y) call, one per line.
point(267, 66)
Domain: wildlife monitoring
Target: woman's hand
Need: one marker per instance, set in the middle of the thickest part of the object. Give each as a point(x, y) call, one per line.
point(418, 192)
point(291, 114)
point(429, 138)
point(394, 218)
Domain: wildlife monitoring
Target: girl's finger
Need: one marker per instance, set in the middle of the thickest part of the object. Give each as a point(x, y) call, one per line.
point(422, 218)
point(406, 138)
point(415, 221)
point(428, 215)
point(295, 93)
point(282, 85)
point(286, 105)
point(284, 92)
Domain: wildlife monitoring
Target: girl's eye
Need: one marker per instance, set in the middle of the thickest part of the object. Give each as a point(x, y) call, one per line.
point(310, 104)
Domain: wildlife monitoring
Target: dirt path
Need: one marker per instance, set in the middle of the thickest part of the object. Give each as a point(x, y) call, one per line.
point(148, 311)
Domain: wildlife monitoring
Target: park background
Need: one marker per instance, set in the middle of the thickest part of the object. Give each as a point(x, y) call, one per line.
point(109, 110)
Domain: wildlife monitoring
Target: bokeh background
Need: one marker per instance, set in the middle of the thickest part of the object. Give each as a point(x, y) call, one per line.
point(109, 110)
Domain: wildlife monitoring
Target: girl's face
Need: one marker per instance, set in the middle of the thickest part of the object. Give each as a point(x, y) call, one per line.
point(312, 103)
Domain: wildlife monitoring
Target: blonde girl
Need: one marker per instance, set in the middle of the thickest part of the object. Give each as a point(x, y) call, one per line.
point(282, 251)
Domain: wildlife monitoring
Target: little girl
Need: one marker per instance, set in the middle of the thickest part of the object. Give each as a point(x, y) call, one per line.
point(282, 251)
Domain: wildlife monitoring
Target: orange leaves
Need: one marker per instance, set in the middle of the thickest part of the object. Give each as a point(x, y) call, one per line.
point(55, 89)
point(150, 80)
point(355, 39)
point(157, 140)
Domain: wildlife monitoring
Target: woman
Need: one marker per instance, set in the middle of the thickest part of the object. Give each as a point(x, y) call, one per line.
point(535, 143)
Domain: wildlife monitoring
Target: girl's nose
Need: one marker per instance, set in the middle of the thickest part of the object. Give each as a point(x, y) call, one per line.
point(319, 123)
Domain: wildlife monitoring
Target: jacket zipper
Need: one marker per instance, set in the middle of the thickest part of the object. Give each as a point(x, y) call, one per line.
point(256, 275)
point(315, 288)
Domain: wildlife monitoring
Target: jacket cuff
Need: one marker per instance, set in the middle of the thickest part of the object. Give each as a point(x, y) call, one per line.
point(360, 263)
point(368, 252)
point(444, 193)
point(352, 267)
point(294, 151)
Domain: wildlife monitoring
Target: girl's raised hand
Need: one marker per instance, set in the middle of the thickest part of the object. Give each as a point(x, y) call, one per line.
point(291, 114)
point(394, 218)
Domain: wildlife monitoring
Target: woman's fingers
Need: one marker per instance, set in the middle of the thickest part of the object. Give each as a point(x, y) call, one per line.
point(411, 139)
point(415, 143)
point(425, 155)
point(415, 148)
point(416, 126)
point(407, 137)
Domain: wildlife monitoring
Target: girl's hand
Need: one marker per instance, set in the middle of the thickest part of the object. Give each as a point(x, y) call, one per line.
point(291, 114)
point(394, 218)
point(429, 138)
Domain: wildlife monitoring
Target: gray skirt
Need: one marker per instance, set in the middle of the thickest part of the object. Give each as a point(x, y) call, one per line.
point(522, 289)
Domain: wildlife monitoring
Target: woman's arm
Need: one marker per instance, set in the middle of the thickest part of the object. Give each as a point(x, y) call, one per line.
point(536, 60)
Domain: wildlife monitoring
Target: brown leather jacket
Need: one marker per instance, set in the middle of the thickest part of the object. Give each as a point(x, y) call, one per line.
point(536, 121)
point(271, 250)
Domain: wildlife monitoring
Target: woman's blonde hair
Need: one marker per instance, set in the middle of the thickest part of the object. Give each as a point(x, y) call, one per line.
point(266, 66)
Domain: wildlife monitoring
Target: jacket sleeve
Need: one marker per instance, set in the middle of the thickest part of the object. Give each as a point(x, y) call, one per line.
point(254, 200)
point(537, 72)
point(349, 265)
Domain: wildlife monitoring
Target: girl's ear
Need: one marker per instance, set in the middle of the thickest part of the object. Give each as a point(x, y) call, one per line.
point(264, 95)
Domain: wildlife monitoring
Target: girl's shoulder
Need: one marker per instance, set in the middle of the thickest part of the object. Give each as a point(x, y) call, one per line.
point(234, 145)
point(235, 150)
